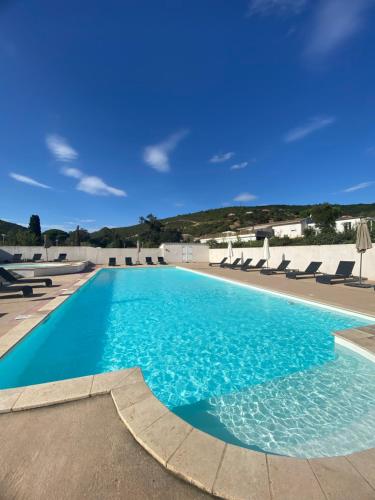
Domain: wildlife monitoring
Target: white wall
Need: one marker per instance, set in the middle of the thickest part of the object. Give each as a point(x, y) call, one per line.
point(173, 253)
point(300, 256)
point(289, 230)
point(349, 223)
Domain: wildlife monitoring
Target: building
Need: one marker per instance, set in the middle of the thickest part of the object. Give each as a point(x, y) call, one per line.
point(294, 228)
point(348, 222)
point(223, 237)
point(252, 233)
point(291, 228)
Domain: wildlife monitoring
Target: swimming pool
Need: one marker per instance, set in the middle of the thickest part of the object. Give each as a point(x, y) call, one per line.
point(252, 368)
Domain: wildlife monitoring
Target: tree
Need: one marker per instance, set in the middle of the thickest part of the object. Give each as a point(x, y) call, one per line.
point(34, 227)
point(56, 236)
point(170, 236)
point(116, 242)
point(151, 230)
point(77, 237)
point(324, 216)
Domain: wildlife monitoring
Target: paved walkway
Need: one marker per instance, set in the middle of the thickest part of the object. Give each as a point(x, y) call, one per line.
point(13, 305)
point(80, 450)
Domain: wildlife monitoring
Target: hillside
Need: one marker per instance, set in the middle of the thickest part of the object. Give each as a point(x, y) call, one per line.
point(224, 219)
point(197, 224)
point(8, 227)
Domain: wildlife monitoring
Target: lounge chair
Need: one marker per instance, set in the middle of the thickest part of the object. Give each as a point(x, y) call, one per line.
point(281, 269)
point(234, 263)
point(149, 261)
point(220, 264)
point(161, 261)
point(128, 261)
point(112, 261)
point(257, 266)
point(17, 257)
point(36, 256)
point(310, 271)
point(27, 291)
point(15, 278)
point(343, 273)
point(61, 257)
point(243, 265)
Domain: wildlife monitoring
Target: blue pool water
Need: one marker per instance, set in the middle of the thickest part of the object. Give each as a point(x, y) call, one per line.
point(253, 368)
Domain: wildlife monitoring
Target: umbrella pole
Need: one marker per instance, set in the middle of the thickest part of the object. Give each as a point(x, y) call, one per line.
point(360, 269)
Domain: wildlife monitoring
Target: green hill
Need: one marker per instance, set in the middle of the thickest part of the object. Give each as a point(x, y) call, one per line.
point(197, 224)
point(225, 219)
point(8, 227)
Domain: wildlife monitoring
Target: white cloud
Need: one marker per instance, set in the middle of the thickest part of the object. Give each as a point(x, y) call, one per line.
point(60, 149)
point(91, 184)
point(72, 172)
point(308, 128)
point(157, 155)
point(239, 166)
point(268, 7)
point(220, 158)
point(95, 185)
point(362, 185)
point(335, 22)
point(245, 197)
point(28, 180)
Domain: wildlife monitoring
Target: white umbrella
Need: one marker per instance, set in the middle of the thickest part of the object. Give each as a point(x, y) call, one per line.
point(230, 252)
point(266, 250)
point(363, 243)
point(162, 247)
point(138, 251)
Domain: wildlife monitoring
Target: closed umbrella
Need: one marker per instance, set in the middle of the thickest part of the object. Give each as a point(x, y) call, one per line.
point(230, 252)
point(266, 250)
point(363, 243)
point(46, 245)
point(138, 251)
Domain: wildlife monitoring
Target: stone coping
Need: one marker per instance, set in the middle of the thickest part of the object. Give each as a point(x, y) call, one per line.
point(222, 469)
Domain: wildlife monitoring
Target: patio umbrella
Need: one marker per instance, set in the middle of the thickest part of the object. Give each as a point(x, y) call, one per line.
point(266, 250)
point(138, 251)
point(46, 246)
point(363, 243)
point(230, 251)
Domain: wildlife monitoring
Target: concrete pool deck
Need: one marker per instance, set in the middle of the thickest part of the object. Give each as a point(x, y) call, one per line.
point(224, 470)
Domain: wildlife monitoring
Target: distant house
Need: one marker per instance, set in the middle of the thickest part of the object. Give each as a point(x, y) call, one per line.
point(252, 233)
point(348, 222)
point(294, 228)
point(291, 228)
point(223, 237)
point(255, 233)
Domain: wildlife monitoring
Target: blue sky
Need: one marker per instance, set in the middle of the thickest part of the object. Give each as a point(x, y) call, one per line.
point(113, 110)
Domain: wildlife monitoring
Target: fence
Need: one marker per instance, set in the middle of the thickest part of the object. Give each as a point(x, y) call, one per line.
point(174, 253)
